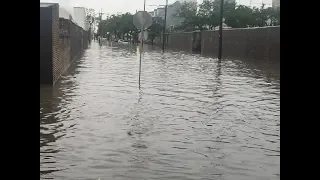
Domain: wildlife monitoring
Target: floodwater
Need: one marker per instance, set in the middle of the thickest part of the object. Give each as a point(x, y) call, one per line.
point(193, 118)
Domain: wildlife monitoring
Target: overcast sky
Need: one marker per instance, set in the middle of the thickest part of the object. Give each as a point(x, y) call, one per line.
point(115, 6)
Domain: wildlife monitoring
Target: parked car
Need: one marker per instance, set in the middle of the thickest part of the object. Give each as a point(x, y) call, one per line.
point(121, 41)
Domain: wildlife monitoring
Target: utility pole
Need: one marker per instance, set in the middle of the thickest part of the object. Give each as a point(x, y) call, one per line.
point(142, 31)
point(100, 18)
point(220, 29)
point(164, 24)
point(141, 50)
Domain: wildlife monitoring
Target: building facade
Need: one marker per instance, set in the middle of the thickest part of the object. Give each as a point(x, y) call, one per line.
point(80, 17)
point(172, 9)
point(173, 20)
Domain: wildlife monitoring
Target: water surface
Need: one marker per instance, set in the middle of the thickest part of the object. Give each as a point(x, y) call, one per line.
point(193, 118)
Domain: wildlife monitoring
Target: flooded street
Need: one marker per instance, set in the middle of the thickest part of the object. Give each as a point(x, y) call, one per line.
point(193, 118)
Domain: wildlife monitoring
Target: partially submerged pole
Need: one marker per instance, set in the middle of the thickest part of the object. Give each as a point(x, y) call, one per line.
point(142, 39)
point(164, 25)
point(220, 29)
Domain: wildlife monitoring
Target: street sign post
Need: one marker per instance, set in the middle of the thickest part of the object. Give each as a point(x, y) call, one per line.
point(143, 37)
point(142, 20)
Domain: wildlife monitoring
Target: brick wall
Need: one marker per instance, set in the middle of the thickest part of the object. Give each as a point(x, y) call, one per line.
point(78, 40)
point(196, 42)
point(252, 44)
point(158, 40)
point(72, 42)
point(61, 42)
point(64, 45)
point(56, 64)
point(183, 41)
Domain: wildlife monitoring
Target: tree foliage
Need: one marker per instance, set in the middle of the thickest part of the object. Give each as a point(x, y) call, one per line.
point(121, 26)
point(156, 28)
point(194, 17)
point(90, 16)
point(235, 16)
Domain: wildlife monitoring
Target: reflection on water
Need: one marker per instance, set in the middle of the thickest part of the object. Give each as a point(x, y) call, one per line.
point(193, 118)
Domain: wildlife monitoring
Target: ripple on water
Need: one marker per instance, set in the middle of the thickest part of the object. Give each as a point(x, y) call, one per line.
point(193, 118)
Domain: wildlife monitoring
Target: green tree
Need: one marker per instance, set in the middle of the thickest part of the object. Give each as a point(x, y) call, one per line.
point(275, 16)
point(188, 12)
point(110, 26)
point(156, 28)
point(241, 17)
point(228, 7)
point(208, 15)
point(125, 24)
point(204, 16)
point(118, 25)
point(90, 16)
point(262, 16)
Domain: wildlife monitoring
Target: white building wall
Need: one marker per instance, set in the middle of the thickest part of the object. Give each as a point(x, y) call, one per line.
point(63, 13)
point(80, 17)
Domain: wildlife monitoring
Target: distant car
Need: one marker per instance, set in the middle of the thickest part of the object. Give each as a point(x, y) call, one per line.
point(120, 41)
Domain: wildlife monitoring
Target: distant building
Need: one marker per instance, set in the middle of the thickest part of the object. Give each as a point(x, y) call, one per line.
point(159, 12)
point(63, 13)
point(275, 3)
point(173, 20)
point(80, 17)
point(171, 10)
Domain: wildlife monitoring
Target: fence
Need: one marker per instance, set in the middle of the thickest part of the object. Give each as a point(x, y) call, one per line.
point(184, 41)
point(79, 39)
point(250, 43)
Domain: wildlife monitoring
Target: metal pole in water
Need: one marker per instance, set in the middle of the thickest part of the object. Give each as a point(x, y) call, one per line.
point(220, 29)
point(142, 38)
point(164, 25)
point(140, 67)
point(142, 31)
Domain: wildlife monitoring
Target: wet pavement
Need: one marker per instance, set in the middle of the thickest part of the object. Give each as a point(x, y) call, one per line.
point(193, 118)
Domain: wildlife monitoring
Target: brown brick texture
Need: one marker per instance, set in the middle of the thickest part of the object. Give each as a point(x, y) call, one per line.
point(61, 42)
point(56, 66)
